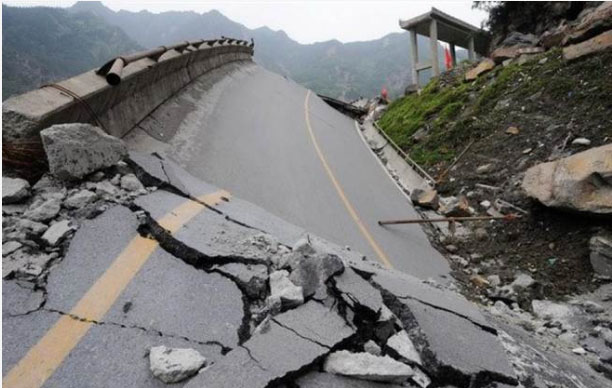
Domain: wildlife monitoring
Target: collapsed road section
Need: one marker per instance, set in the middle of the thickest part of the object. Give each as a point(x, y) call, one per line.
point(138, 273)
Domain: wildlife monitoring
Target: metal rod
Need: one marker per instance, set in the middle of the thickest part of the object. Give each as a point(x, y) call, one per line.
point(508, 217)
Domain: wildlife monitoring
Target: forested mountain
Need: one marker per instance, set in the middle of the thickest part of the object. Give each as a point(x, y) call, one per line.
point(41, 45)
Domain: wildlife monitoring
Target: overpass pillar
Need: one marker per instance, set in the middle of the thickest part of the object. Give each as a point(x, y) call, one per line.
point(433, 43)
point(414, 58)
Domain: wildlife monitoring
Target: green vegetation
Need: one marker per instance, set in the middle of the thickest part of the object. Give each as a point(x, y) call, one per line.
point(454, 112)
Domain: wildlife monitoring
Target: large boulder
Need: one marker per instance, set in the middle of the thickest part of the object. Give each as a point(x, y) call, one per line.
point(77, 149)
point(581, 182)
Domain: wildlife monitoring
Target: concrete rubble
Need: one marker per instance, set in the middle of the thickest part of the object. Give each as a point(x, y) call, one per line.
point(174, 365)
point(260, 309)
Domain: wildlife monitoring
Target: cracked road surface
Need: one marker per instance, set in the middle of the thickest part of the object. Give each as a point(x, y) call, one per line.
point(187, 266)
point(276, 144)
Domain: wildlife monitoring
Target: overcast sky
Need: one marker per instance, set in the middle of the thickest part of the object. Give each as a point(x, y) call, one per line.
point(305, 21)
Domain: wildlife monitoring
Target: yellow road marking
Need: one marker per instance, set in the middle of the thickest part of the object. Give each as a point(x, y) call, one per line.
point(47, 355)
point(347, 204)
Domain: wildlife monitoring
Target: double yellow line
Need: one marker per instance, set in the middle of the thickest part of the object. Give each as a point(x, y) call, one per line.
point(48, 354)
point(347, 204)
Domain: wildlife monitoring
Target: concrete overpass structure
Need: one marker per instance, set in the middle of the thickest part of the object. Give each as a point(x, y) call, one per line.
point(437, 25)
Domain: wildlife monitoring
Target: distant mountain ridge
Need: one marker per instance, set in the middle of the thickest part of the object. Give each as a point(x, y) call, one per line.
point(341, 70)
point(47, 44)
point(42, 45)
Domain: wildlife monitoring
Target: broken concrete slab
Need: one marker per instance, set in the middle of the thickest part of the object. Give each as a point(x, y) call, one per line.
point(405, 286)
point(77, 149)
point(20, 298)
point(403, 346)
point(282, 288)
point(14, 190)
point(357, 292)
point(92, 249)
point(316, 323)
point(172, 365)
point(252, 277)
point(21, 332)
point(185, 296)
point(208, 233)
point(329, 380)
point(366, 366)
point(289, 343)
point(466, 351)
point(128, 365)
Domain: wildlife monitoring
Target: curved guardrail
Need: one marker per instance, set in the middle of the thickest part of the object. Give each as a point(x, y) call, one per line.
point(122, 92)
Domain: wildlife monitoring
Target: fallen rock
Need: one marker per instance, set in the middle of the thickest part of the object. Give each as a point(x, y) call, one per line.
point(366, 366)
point(45, 210)
point(522, 281)
point(14, 190)
point(425, 198)
point(484, 168)
point(581, 182)
point(554, 37)
point(403, 346)
point(550, 311)
point(312, 271)
point(30, 226)
point(519, 39)
point(284, 289)
point(601, 253)
point(80, 199)
point(484, 66)
point(304, 247)
point(77, 149)
point(456, 207)
point(10, 247)
point(594, 45)
point(512, 130)
point(372, 348)
point(57, 232)
point(591, 24)
point(581, 141)
point(172, 365)
point(502, 54)
point(129, 182)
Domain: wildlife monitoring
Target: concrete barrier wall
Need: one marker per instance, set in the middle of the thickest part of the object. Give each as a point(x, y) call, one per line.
point(145, 84)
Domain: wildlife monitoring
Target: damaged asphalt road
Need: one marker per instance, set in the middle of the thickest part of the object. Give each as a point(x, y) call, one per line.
point(188, 266)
